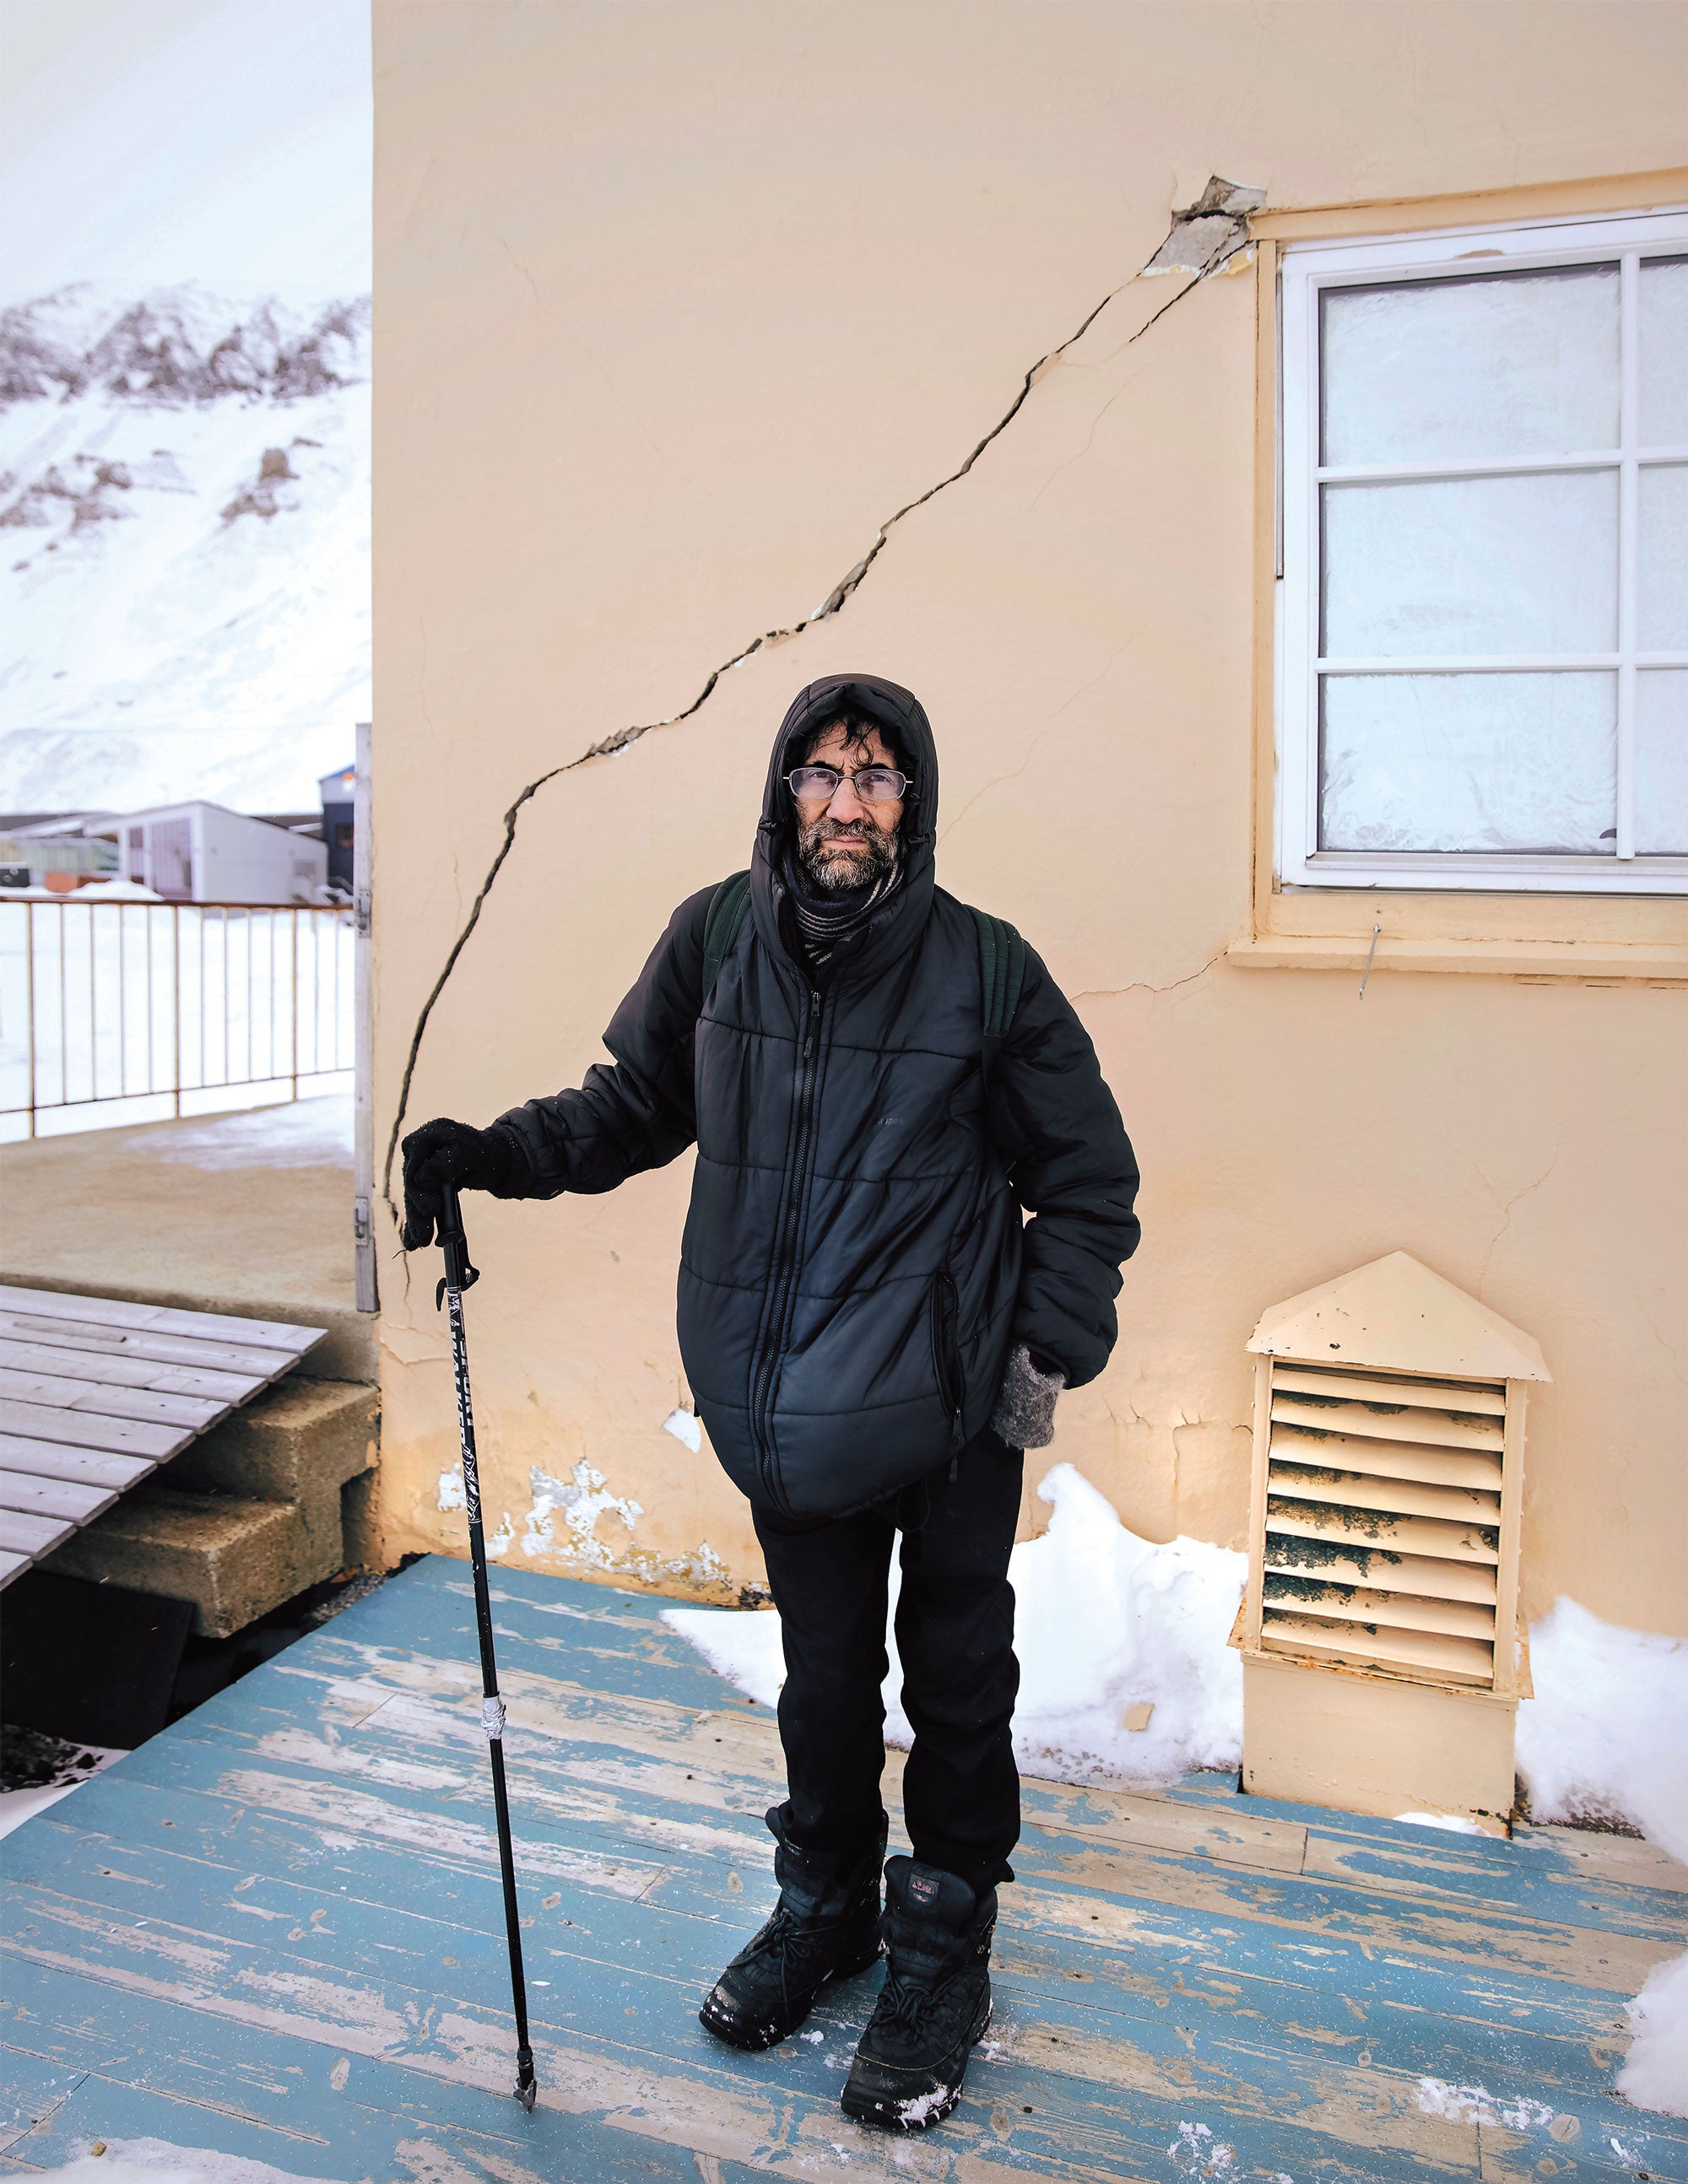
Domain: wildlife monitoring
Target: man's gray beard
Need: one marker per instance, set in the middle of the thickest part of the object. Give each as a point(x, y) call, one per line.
point(839, 875)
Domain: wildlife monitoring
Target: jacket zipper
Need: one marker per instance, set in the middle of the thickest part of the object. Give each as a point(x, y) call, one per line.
point(949, 1362)
point(785, 1263)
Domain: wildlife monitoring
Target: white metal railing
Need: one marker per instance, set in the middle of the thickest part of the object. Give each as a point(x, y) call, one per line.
point(125, 1012)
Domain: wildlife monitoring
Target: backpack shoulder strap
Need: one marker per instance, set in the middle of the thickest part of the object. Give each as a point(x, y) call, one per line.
point(725, 914)
point(1002, 972)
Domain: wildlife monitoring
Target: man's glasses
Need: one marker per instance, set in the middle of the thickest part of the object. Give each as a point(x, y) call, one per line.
point(874, 784)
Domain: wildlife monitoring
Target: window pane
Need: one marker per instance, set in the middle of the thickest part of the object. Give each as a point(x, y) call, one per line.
point(1504, 564)
point(1664, 352)
point(1496, 363)
point(1662, 605)
point(1661, 762)
point(1442, 762)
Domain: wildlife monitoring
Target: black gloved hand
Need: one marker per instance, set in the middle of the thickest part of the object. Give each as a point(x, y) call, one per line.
point(446, 1152)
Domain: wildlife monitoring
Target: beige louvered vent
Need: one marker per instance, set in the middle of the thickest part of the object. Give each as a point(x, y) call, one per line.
point(1388, 1480)
point(1381, 1541)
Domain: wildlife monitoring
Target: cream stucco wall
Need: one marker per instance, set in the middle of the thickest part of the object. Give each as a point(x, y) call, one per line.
point(675, 304)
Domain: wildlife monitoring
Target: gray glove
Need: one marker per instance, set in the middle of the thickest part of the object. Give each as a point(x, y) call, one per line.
point(1024, 1416)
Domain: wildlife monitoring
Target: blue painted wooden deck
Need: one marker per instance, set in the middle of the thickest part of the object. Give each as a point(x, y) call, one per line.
point(274, 1932)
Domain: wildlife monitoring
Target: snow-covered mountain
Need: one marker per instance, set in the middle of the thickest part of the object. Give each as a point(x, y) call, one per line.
point(184, 549)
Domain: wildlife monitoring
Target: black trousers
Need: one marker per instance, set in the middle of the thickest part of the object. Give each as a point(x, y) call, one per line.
point(956, 1636)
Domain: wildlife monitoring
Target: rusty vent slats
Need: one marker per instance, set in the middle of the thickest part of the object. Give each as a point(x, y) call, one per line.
point(1413, 1576)
point(1370, 1387)
point(1387, 1459)
point(1381, 1538)
point(1387, 1422)
point(1404, 1497)
point(1458, 1660)
point(1359, 1603)
point(1370, 1528)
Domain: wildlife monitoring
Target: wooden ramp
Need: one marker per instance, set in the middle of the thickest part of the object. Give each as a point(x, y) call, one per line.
point(96, 1394)
point(273, 1935)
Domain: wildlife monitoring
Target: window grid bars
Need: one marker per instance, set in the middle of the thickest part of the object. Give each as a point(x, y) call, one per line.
point(1628, 542)
point(1583, 458)
point(1304, 667)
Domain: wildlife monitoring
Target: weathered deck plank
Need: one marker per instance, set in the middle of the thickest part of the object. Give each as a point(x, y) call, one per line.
point(274, 1932)
point(95, 1394)
point(409, 1789)
point(1316, 2000)
point(663, 1749)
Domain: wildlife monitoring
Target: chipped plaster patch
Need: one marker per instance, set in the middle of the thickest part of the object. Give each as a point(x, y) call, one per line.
point(1208, 235)
point(705, 1566)
point(583, 1499)
point(685, 1425)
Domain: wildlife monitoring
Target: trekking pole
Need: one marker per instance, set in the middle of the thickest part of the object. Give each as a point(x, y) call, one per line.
point(459, 1276)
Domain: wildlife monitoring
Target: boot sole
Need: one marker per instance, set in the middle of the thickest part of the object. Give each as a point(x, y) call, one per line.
point(755, 2039)
point(910, 2114)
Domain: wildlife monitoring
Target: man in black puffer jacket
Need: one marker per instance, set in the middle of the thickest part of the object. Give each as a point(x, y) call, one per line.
point(872, 1331)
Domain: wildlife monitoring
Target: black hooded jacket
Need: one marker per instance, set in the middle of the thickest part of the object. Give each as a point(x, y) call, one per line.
point(856, 1261)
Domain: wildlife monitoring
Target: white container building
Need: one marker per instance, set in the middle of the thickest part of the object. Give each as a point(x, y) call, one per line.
point(206, 853)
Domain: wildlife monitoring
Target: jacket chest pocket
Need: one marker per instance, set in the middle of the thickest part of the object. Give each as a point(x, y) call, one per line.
point(966, 1103)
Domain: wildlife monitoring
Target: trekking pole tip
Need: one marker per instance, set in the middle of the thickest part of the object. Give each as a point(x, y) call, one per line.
point(526, 2085)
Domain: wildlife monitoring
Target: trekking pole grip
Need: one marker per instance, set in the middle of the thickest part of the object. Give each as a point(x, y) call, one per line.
point(454, 1243)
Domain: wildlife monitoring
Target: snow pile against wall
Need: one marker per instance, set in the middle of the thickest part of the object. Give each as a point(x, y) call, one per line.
point(1606, 1735)
point(1110, 1630)
point(1656, 2074)
point(1606, 1738)
point(1115, 1626)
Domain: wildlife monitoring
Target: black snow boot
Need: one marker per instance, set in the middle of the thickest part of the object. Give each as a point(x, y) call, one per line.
point(824, 1926)
point(935, 2003)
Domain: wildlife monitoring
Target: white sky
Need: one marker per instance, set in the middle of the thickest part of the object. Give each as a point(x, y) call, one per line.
point(144, 142)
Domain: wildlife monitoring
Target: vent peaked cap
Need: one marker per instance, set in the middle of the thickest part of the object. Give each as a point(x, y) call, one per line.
point(1394, 1315)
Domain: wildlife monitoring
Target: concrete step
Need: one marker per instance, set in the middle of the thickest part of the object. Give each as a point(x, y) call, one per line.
point(272, 1501)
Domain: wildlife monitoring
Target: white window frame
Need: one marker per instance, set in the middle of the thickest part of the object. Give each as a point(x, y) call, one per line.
point(1306, 271)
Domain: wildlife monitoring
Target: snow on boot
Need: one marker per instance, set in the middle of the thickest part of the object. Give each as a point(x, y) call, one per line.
point(935, 2002)
point(824, 1926)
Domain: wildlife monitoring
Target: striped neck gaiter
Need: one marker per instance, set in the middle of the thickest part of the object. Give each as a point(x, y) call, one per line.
point(823, 918)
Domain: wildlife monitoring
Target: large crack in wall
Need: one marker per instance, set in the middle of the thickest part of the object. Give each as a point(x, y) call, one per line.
point(1204, 238)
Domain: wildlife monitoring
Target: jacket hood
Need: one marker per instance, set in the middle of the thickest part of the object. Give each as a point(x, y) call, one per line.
point(901, 713)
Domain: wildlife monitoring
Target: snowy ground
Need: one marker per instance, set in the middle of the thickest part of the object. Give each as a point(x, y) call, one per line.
point(296, 1133)
point(154, 2161)
point(1606, 1737)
